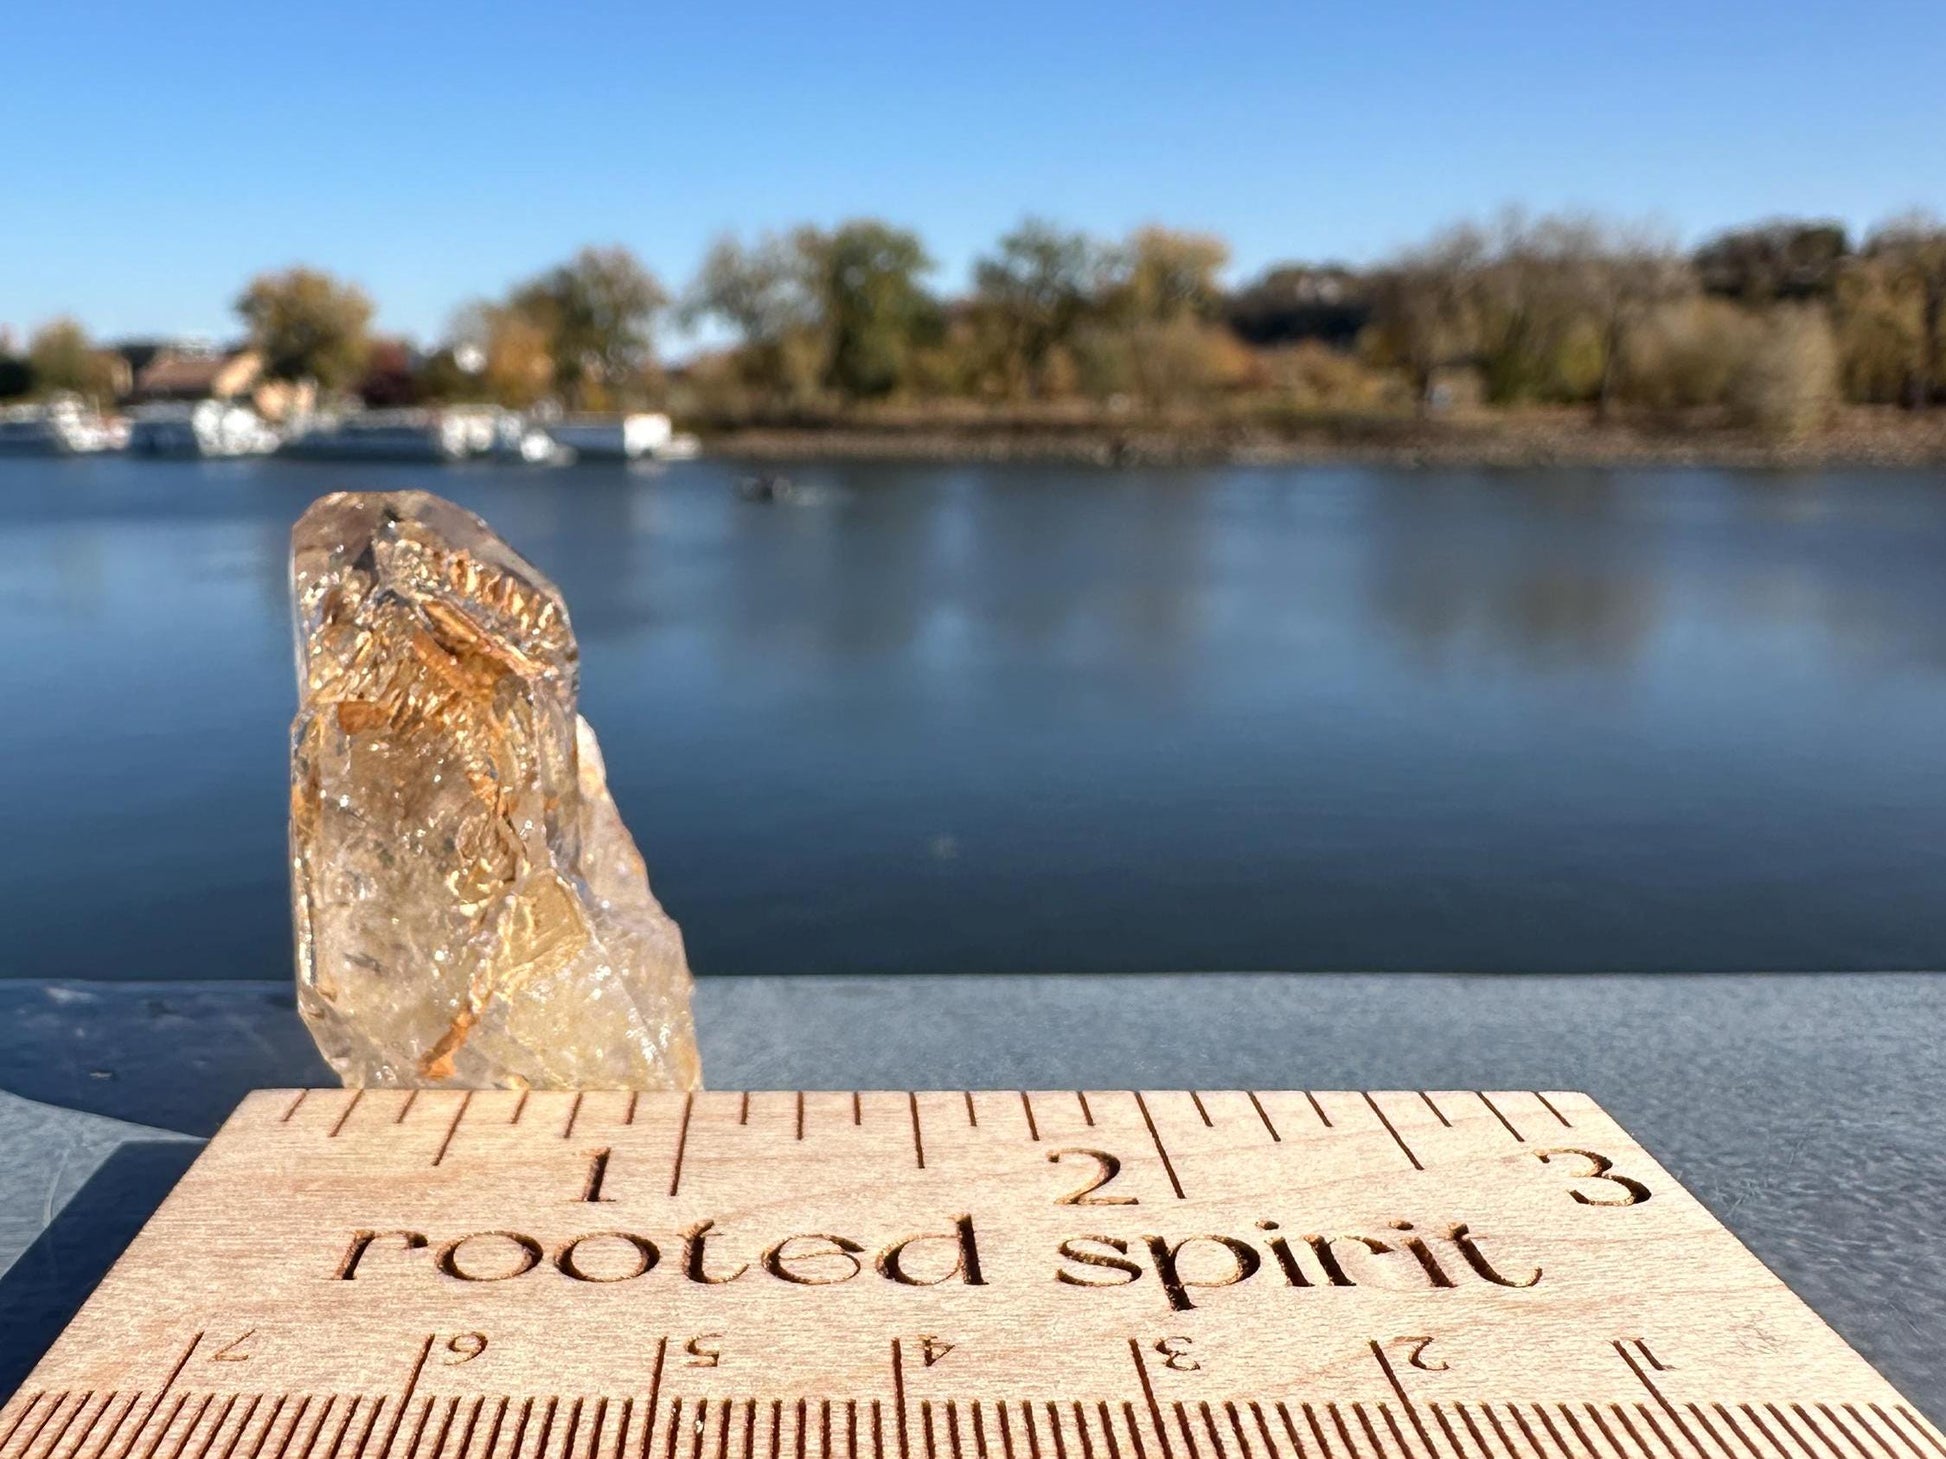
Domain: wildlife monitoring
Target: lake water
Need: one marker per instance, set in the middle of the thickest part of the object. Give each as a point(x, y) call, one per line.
point(981, 718)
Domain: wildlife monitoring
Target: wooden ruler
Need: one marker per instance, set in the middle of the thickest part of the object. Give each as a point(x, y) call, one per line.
point(985, 1275)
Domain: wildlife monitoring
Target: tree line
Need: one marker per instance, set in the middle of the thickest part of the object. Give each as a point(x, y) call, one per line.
point(1773, 325)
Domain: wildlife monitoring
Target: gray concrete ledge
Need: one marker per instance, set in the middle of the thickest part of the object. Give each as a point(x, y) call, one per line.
point(1798, 1108)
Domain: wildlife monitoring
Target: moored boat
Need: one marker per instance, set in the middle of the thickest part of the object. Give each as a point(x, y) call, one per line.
point(59, 427)
point(387, 435)
point(208, 428)
point(645, 436)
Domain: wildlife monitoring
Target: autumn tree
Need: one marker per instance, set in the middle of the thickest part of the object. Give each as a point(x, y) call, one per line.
point(308, 325)
point(1164, 274)
point(1033, 292)
point(873, 311)
point(1785, 259)
point(508, 353)
point(1625, 275)
point(597, 312)
point(1909, 254)
point(61, 357)
point(766, 295)
point(1425, 305)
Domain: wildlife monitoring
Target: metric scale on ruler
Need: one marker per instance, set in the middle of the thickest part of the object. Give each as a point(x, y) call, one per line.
point(984, 1275)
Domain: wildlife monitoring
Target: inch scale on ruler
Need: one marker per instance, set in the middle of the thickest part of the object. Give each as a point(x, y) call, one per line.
point(943, 1275)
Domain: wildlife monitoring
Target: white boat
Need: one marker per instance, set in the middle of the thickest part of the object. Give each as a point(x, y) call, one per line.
point(59, 427)
point(388, 435)
point(212, 428)
point(647, 436)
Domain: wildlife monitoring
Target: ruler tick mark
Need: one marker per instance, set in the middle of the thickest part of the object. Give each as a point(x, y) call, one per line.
point(1866, 1424)
point(800, 1114)
point(61, 1433)
point(1168, 1165)
point(1264, 1115)
point(1107, 1430)
point(1290, 1428)
point(1548, 1105)
point(107, 1439)
point(1197, 1100)
point(295, 1105)
point(493, 1433)
point(1656, 1393)
point(1595, 1418)
point(1925, 1429)
point(1784, 1423)
point(1148, 1394)
point(972, 1115)
point(1397, 1139)
point(162, 1433)
point(1438, 1113)
point(1812, 1424)
point(1263, 1429)
point(918, 1140)
point(1838, 1424)
point(520, 1107)
point(1648, 1449)
point(1588, 1445)
point(1027, 1107)
point(453, 1128)
point(1727, 1419)
point(1236, 1427)
point(411, 1098)
point(350, 1105)
point(160, 1394)
point(1446, 1428)
point(344, 1426)
point(1474, 1429)
point(574, 1113)
point(1392, 1378)
point(682, 1140)
point(1392, 1425)
point(243, 1423)
point(898, 1395)
point(1087, 1115)
point(405, 1398)
point(1488, 1102)
point(1648, 1418)
point(1898, 1432)
point(1323, 1118)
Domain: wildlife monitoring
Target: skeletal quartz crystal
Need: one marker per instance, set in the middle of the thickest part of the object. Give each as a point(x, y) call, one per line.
point(470, 911)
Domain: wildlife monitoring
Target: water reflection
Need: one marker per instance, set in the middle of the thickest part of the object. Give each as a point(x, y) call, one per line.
point(962, 718)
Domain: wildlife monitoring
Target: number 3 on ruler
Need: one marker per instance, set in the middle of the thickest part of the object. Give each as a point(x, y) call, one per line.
point(1600, 1167)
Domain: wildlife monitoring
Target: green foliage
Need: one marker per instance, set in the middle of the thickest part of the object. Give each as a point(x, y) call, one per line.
point(1784, 259)
point(872, 310)
point(308, 326)
point(1031, 295)
point(766, 294)
point(1161, 275)
point(597, 313)
point(1907, 258)
point(61, 358)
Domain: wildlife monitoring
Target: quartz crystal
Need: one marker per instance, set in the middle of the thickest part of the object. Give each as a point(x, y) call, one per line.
point(470, 911)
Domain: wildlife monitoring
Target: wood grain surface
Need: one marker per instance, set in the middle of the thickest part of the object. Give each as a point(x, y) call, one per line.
point(943, 1275)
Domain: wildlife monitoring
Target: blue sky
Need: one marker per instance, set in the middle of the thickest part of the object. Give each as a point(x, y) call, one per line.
point(156, 155)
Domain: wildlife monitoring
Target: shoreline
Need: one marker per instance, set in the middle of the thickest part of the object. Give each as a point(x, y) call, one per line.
point(1862, 440)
